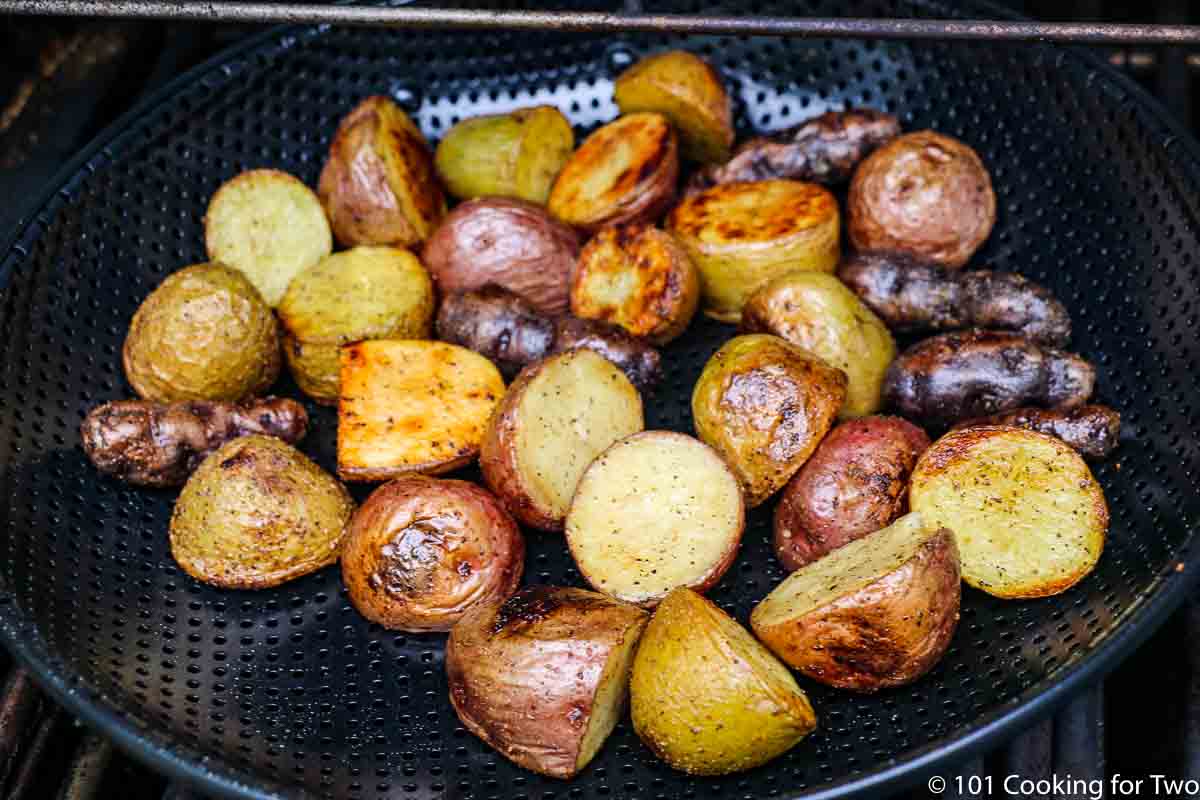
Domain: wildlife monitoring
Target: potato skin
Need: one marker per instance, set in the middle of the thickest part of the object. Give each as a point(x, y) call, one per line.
point(498, 324)
point(764, 405)
point(508, 242)
point(523, 674)
point(639, 361)
point(924, 194)
point(1093, 431)
point(421, 552)
point(855, 483)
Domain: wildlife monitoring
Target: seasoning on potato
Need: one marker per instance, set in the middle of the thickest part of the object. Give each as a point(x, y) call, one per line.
point(1029, 518)
point(1093, 431)
point(412, 406)
point(813, 310)
point(655, 511)
point(623, 172)
point(875, 613)
point(268, 225)
point(363, 293)
point(557, 416)
point(764, 405)
point(741, 235)
point(422, 552)
point(379, 185)
point(855, 483)
point(707, 698)
point(543, 677)
point(686, 90)
point(923, 194)
point(204, 333)
point(257, 513)
point(518, 154)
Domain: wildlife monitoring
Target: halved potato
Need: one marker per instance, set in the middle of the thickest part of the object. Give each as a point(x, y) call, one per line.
point(706, 697)
point(740, 235)
point(655, 511)
point(558, 415)
point(623, 172)
point(412, 406)
point(544, 676)
point(689, 92)
point(268, 225)
point(1029, 517)
point(874, 613)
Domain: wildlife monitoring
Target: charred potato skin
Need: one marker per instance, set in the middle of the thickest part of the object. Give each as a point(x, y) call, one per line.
point(514, 684)
point(855, 483)
point(640, 362)
point(420, 552)
point(924, 194)
point(1093, 431)
point(498, 324)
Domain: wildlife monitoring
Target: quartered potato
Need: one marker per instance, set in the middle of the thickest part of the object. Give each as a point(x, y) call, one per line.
point(412, 406)
point(268, 225)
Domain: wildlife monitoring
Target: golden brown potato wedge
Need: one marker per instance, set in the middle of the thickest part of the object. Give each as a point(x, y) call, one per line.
point(412, 406)
point(655, 511)
point(706, 697)
point(543, 677)
point(874, 613)
point(1029, 518)
point(686, 90)
point(558, 415)
point(740, 235)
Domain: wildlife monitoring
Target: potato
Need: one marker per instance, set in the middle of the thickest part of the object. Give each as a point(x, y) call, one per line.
point(258, 513)
point(364, 293)
point(268, 225)
point(1093, 431)
point(764, 404)
point(623, 172)
point(855, 483)
point(1029, 518)
point(706, 697)
point(655, 511)
point(511, 243)
point(379, 185)
point(686, 90)
point(923, 194)
point(740, 235)
point(543, 678)
point(557, 416)
point(203, 334)
point(875, 613)
point(412, 406)
point(518, 154)
point(638, 277)
point(422, 552)
point(815, 311)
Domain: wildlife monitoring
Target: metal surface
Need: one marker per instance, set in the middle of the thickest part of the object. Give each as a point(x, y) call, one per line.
point(606, 22)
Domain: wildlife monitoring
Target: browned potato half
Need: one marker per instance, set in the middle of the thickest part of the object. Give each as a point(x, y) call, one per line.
point(412, 406)
point(506, 242)
point(257, 513)
point(764, 405)
point(623, 172)
point(686, 90)
point(923, 194)
point(518, 154)
point(421, 552)
point(1029, 517)
point(740, 235)
point(638, 277)
point(706, 697)
point(655, 511)
point(558, 415)
point(270, 226)
point(379, 185)
point(875, 613)
point(543, 677)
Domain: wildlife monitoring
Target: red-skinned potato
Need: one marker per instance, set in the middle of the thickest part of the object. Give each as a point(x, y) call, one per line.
point(421, 552)
point(508, 242)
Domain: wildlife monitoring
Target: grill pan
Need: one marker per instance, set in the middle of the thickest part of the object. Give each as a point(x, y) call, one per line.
point(289, 691)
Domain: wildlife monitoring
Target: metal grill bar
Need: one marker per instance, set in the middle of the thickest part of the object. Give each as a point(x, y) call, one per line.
point(606, 22)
